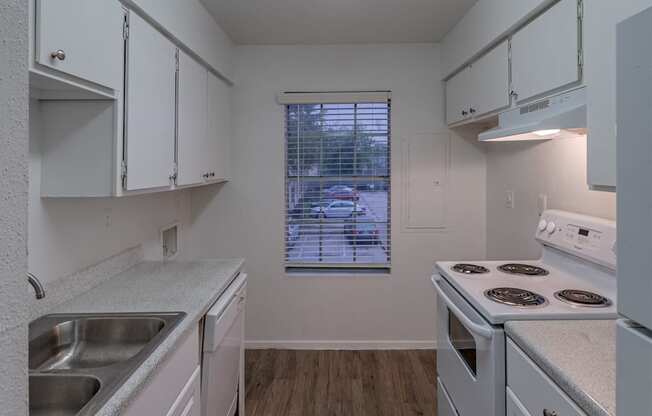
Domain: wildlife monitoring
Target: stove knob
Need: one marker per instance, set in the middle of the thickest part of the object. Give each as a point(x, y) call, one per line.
point(551, 228)
point(542, 225)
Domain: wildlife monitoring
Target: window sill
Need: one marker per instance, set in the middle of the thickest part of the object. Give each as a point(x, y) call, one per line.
point(337, 271)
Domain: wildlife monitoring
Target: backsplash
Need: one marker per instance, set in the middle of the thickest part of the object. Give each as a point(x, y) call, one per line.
point(66, 288)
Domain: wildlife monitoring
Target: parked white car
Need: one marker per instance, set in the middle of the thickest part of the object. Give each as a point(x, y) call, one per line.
point(339, 209)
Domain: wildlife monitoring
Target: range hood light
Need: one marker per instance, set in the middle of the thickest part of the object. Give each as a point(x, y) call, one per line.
point(560, 116)
point(544, 133)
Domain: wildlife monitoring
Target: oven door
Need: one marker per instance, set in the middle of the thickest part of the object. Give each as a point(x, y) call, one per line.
point(470, 355)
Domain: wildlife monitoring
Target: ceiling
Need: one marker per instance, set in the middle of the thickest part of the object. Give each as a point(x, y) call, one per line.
point(336, 21)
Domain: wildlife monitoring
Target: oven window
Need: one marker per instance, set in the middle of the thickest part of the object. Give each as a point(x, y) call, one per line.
point(463, 342)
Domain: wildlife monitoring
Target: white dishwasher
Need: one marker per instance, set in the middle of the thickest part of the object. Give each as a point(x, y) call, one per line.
point(223, 352)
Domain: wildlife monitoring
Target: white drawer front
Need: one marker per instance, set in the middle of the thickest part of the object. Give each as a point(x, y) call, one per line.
point(444, 403)
point(188, 402)
point(514, 405)
point(537, 393)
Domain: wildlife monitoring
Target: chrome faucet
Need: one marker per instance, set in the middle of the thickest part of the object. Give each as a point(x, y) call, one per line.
point(36, 284)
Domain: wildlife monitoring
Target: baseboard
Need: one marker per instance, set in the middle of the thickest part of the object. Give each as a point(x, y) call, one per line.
point(341, 345)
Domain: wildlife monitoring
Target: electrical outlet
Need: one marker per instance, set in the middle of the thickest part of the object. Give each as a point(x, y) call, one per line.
point(542, 203)
point(509, 199)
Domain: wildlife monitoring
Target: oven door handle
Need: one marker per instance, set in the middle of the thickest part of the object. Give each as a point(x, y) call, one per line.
point(480, 330)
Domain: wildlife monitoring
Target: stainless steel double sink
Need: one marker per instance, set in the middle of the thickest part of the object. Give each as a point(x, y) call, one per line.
point(77, 361)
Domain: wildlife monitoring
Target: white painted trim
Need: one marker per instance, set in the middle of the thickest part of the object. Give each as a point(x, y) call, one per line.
point(341, 345)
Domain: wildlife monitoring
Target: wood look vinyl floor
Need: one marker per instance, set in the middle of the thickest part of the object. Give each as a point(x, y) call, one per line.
point(340, 383)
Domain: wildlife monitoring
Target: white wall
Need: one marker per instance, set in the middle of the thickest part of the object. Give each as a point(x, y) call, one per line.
point(556, 168)
point(67, 235)
point(13, 207)
point(245, 216)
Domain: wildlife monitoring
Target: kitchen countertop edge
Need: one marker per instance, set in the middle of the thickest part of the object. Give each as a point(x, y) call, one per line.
point(224, 273)
point(516, 330)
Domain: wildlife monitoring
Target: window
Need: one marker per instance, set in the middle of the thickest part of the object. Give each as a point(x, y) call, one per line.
point(338, 185)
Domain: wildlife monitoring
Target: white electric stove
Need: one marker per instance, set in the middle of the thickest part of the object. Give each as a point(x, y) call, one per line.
point(574, 279)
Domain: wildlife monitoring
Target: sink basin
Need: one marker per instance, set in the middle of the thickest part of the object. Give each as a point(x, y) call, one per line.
point(77, 361)
point(92, 342)
point(60, 395)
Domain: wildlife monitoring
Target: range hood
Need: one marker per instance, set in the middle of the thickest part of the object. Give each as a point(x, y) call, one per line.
point(563, 115)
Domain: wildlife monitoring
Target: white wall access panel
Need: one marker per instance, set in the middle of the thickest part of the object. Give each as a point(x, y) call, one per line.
point(490, 81)
point(150, 107)
point(545, 52)
point(217, 154)
point(89, 33)
point(192, 143)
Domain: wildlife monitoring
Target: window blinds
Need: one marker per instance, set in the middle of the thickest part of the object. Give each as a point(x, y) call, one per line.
point(338, 185)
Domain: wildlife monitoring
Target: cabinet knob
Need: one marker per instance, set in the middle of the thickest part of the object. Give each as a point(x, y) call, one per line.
point(60, 55)
point(547, 412)
point(472, 110)
point(464, 113)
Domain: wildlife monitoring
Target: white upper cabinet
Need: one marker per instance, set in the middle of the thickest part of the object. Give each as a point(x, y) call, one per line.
point(192, 121)
point(490, 81)
point(219, 128)
point(458, 96)
point(481, 88)
point(82, 38)
point(546, 52)
point(150, 107)
point(600, 19)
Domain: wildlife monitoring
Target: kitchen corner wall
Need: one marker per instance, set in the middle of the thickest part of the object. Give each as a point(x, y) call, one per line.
point(245, 216)
point(13, 207)
point(67, 235)
point(556, 168)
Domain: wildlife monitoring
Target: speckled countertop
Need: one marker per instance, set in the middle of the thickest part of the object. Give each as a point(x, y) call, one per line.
point(190, 287)
point(580, 356)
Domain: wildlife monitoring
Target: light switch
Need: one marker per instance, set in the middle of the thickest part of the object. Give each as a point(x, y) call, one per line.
point(509, 199)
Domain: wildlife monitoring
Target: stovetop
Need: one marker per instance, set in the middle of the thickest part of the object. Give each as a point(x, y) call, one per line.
point(539, 288)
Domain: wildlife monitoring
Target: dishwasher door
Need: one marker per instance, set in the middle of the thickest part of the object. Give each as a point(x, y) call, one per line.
point(223, 343)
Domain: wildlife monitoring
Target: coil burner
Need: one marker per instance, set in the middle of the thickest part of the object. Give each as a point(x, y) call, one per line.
point(516, 297)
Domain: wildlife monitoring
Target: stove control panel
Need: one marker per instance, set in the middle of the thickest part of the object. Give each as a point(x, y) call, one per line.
point(587, 237)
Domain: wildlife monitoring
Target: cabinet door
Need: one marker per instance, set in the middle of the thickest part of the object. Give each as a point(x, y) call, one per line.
point(150, 107)
point(192, 119)
point(545, 52)
point(88, 34)
point(600, 19)
point(514, 406)
point(219, 128)
point(490, 81)
point(457, 97)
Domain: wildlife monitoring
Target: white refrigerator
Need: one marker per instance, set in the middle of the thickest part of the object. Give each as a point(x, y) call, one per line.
point(634, 189)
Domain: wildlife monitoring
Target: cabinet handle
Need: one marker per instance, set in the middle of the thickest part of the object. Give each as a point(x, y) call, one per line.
point(547, 412)
point(472, 110)
point(60, 55)
point(464, 113)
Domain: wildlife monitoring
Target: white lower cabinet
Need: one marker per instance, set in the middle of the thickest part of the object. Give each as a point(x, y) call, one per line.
point(188, 403)
point(175, 389)
point(533, 393)
point(444, 403)
point(514, 406)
